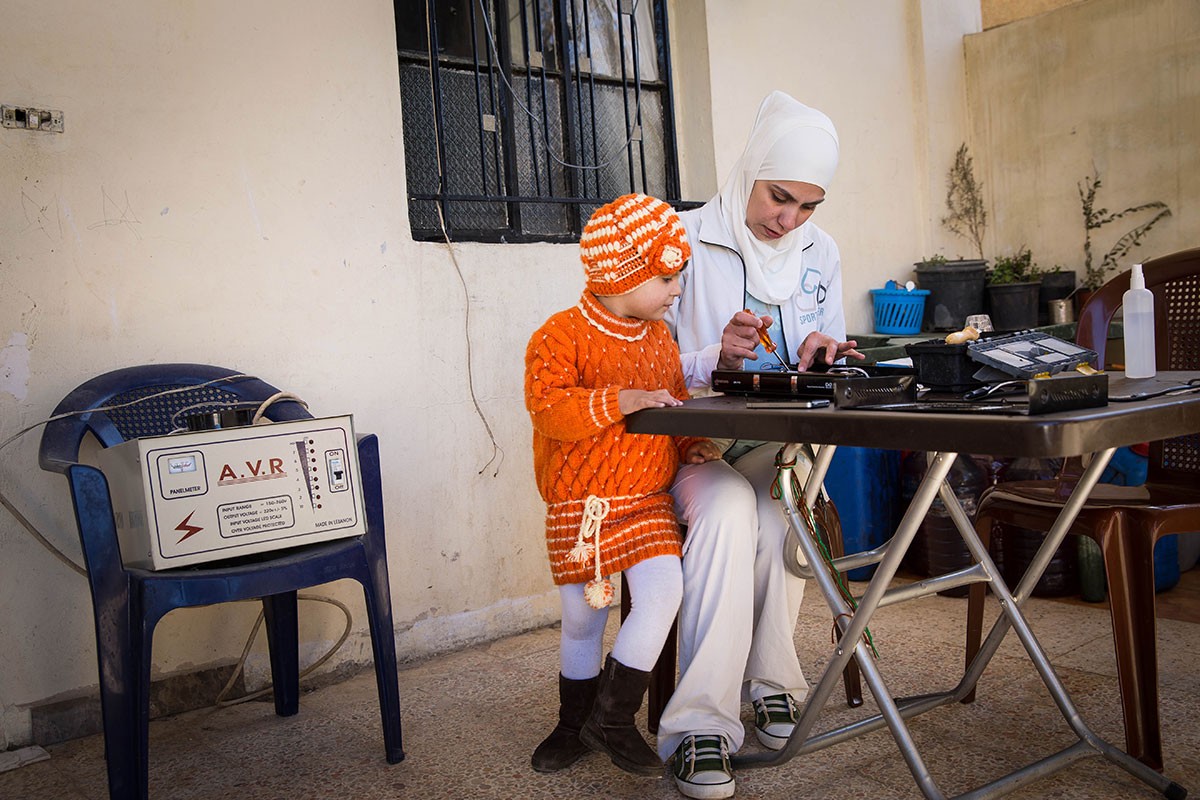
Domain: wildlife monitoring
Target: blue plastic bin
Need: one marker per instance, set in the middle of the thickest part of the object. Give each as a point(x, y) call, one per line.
point(1166, 563)
point(898, 312)
point(864, 484)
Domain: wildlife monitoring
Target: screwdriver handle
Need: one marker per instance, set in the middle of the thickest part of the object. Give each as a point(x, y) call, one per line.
point(763, 336)
point(769, 344)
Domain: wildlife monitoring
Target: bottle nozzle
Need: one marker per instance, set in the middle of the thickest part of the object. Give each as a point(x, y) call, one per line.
point(1137, 280)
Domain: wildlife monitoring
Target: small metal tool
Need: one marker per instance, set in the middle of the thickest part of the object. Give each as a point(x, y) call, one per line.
point(769, 345)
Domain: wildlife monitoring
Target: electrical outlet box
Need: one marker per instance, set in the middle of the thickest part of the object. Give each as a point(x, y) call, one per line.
point(34, 119)
point(196, 497)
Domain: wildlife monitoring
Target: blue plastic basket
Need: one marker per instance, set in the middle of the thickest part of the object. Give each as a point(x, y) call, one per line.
point(898, 312)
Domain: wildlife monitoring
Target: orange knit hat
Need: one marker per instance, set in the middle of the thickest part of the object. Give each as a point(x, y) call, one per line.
point(629, 241)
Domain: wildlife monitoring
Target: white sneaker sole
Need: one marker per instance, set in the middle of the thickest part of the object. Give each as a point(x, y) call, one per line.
point(706, 791)
point(770, 741)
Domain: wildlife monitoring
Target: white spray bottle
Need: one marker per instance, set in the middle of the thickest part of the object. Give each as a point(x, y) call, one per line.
point(1138, 308)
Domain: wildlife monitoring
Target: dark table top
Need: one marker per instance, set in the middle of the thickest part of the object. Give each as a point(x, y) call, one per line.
point(1064, 433)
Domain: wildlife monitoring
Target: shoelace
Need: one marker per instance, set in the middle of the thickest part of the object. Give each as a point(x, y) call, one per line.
point(708, 752)
point(777, 708)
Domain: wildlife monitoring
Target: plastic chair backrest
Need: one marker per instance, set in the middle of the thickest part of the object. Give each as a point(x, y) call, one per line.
point(149, 400)
point(1175, 282)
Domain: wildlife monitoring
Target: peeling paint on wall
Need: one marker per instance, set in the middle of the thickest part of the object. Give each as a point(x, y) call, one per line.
point(14, 366)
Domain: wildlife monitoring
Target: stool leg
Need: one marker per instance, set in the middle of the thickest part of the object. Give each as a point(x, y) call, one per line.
point(976, 595)
point(662, 680)
point(850, 676)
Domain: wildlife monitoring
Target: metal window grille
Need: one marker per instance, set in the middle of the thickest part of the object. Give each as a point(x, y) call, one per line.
point(521, 117)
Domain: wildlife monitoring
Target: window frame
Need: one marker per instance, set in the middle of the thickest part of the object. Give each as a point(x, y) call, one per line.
point(575, 86)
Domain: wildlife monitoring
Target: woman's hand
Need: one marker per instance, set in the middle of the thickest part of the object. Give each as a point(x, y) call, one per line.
point(739, 338)
point(631, 400)
point(818, 345)
point(700, 452)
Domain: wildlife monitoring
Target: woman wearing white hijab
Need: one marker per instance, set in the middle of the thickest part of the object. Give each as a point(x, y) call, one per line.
point(753, 247)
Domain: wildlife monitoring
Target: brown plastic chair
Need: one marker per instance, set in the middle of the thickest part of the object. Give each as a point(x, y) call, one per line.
point(1125, 521)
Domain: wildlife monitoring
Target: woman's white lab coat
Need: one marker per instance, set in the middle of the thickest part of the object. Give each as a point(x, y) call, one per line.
point(714, 289)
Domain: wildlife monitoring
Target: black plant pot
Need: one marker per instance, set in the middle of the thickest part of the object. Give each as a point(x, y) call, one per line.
point(1013, 306)
point(955, 292)
point(1055, 286)
point(1061, 577)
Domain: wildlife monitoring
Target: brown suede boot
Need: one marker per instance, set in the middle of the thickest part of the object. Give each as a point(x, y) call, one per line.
point(610, 727)
point(562, 747)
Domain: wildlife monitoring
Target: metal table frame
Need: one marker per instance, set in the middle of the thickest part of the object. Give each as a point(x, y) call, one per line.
point(1096, 431)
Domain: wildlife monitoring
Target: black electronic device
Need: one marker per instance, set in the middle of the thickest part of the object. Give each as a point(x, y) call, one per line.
point(968, 365)
point(1062, 392)
point(809, 384)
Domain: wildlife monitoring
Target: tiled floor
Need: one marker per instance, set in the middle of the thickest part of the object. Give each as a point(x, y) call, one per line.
point(472, 718)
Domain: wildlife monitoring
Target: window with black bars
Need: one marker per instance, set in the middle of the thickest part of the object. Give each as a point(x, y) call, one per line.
point(521, 117)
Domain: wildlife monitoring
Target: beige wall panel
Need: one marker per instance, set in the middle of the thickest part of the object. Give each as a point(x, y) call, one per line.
point(890, 77)
point(1107, 85)
point(1002, 12)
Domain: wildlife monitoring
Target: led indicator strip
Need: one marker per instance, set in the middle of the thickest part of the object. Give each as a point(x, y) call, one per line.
point(302, 450)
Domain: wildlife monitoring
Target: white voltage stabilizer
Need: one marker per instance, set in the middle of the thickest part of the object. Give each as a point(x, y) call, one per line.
point(196, 497)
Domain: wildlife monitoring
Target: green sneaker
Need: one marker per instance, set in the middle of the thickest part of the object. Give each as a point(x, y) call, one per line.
point(775, 717)
point(701, 767)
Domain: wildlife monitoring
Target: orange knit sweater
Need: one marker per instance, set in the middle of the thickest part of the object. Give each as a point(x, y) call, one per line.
point(575, 365)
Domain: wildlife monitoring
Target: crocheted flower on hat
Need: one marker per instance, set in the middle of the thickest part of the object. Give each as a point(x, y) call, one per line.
point(671, 257)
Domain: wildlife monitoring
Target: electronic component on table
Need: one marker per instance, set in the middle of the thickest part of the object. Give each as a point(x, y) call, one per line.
point(751, 403)
point(1028, 355)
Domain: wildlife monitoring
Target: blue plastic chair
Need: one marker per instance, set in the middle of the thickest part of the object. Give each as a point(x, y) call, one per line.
point(129, 602)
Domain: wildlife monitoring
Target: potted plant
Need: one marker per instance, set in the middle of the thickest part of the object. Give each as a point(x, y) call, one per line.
point(956, 286)
point(1012, 288)
point(1095, 218)
point(964, 200)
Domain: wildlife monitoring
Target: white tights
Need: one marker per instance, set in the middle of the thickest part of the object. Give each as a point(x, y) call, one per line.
point(655, 588)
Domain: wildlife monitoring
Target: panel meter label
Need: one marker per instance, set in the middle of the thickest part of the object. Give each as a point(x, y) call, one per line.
point(256, 516)
point(181, 474)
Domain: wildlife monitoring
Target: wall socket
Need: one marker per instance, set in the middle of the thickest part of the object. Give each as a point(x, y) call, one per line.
point(34, 119)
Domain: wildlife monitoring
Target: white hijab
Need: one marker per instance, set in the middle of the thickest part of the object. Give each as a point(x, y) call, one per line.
point(789, 142)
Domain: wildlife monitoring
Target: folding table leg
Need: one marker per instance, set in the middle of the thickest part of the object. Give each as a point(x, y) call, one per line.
point(853, 622)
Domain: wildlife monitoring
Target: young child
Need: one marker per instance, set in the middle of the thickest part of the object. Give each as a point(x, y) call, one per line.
point(607, 505)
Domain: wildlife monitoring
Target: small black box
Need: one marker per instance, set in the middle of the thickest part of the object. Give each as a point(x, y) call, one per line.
point(943, 367)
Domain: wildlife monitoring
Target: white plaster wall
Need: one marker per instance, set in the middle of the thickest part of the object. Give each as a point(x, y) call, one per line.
point(1107, 85)
point(230, 190)
point(889, 75)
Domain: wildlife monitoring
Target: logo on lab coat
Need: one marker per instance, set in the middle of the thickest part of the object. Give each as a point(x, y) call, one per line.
point(812, 289)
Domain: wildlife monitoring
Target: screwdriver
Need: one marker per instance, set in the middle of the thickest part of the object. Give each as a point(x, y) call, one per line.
point(769, 345)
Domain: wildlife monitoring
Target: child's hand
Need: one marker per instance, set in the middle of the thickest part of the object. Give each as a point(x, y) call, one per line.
point(700, 452)
point(631, 400)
